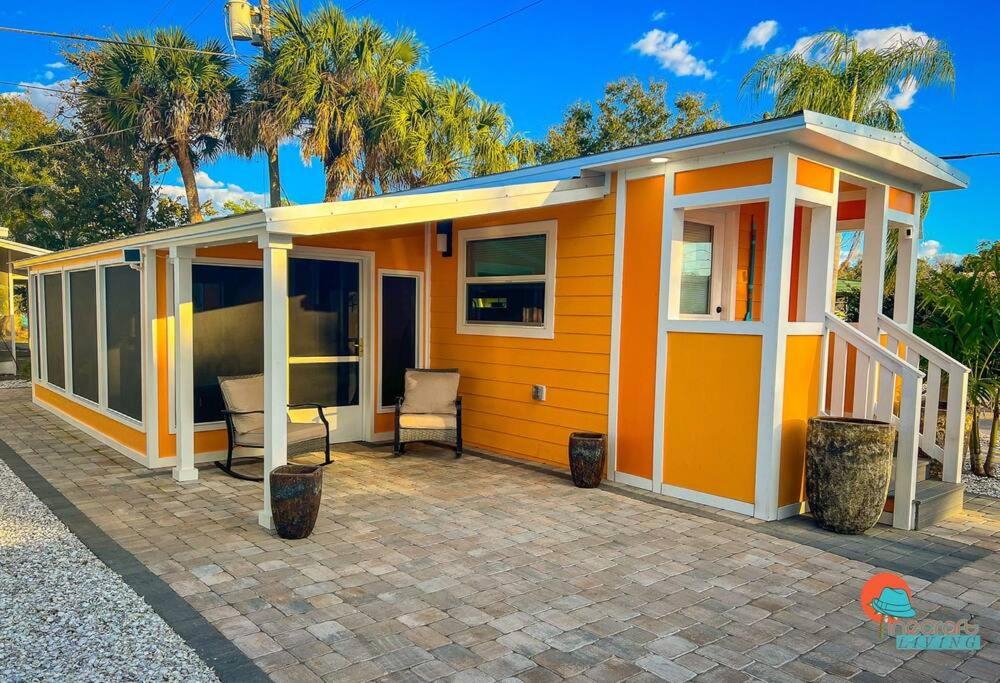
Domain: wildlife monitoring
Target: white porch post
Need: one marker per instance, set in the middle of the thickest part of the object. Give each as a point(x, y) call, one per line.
point(184, 469)
point(149, 359)
point(12, 320)
point(275, 248)
point(872, 285)
point(821, 263)
point(671, 256)
point(906, 269)
point(774, 316)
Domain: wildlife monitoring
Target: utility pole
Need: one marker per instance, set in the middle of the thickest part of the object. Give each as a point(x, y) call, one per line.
point(273, 171)
point(249, 23)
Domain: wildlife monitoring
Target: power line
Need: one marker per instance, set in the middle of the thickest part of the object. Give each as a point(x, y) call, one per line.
point(486, 25)
point(74, 140)
point(198, 15)
point(357, 4)
point(970, 156)
point(158, 12)
point(111, 41)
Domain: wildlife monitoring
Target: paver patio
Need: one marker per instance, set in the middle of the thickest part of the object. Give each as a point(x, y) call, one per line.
point(426, 567)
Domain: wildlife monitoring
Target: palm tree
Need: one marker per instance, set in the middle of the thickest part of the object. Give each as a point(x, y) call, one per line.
point(168, 91)
point(376, 120)
point(261, 122)
point(447, 131)
point(341, 74)
point(832, 75)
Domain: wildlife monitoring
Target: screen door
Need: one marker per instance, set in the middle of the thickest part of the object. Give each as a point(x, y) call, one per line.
point(324, 342)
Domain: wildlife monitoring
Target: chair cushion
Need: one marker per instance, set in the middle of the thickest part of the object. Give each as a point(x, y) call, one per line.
point(244, 393)
point(430, 392)
point(427, 421)
point(297, 433)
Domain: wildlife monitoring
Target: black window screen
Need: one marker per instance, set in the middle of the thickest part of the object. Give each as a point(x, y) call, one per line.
point(55, 361)
point(399, 333)
point(323, 307)
point(122, 311)
point(228, 333)
point(83, 333)
point(328, 384)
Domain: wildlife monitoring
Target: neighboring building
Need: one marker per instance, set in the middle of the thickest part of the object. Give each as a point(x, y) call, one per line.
point(621, 282)
point(13, 316)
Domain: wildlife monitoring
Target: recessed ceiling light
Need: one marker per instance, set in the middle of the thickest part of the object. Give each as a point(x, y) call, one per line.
point(659, 160)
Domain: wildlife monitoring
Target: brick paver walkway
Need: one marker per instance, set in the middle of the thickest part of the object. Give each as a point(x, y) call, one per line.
point(426, 568)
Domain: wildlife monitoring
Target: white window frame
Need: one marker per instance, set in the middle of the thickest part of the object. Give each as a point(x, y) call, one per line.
point(418, 353)
point(40, 348)
point(544, 331)
point(725, 247)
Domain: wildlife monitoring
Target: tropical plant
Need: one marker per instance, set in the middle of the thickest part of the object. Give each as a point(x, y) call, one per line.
point(628, 114)
point(960, 314)
point(446, 131)
point(169, 92)
point(377, 121)
point(833, 75)
point(262, 122)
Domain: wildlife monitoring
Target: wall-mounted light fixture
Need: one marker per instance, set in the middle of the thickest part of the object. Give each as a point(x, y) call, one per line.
point(444, 238)
point(659, 160)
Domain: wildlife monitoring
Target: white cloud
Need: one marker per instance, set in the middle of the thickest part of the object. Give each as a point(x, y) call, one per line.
point(901, 98)
point(929, 249)
point(202, 179)
point(217, 191)
point(760, 34)
point(48, 102)
point(659, 14)
point(56, 65)
point(673, 53)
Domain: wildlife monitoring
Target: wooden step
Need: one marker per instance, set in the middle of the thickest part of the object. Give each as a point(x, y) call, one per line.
point(922, 462)
point(934, 501)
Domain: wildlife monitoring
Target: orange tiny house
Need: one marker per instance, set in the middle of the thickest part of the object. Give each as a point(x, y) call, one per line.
point(683, 306)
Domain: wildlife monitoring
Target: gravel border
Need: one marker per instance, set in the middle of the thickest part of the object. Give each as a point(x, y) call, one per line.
point(77, 606)
point(981, 486)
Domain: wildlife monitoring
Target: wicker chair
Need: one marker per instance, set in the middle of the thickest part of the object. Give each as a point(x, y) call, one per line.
point(430, 410)
point(244, 413)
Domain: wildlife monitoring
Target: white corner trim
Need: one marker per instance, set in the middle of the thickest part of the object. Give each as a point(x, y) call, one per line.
point(720, 502)
point(618, 271)
point(793, 510)
point(90, 431)
point(774, 314)
point(632, 480)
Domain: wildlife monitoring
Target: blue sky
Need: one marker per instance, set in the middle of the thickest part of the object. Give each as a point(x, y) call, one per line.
point(558, 51)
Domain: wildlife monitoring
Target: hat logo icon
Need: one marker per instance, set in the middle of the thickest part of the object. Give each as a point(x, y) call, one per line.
point(886, 597)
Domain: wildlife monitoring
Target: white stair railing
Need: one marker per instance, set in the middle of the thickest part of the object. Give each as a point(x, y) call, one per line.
point(940, 366)
point(884, 367)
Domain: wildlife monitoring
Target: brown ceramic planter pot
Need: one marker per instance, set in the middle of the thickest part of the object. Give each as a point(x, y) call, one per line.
point(848, 465)
point(296, 491)
point(587, 455)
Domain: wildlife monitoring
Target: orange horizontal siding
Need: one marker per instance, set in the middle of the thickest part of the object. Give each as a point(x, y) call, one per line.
point(499, 414)
point(901, 200)
point(710, 421)
point(801, 401)
point(129, 437)
point(810, 174)
point(724, 177)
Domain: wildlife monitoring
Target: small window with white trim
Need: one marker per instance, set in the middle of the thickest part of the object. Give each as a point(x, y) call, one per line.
point(506, 280)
